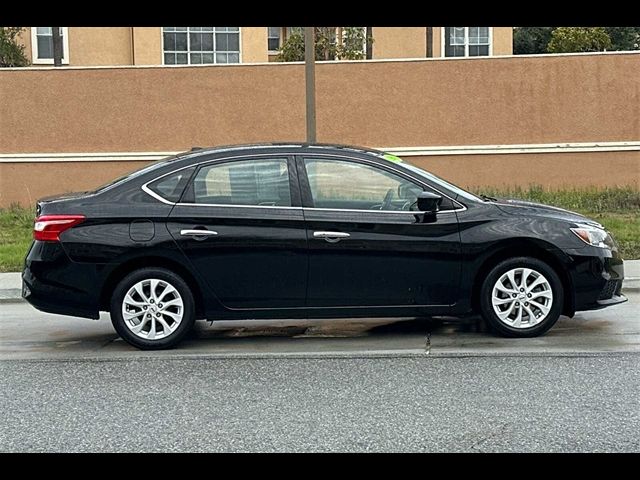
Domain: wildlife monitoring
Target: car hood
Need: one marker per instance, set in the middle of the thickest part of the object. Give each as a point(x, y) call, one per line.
point(521, 207)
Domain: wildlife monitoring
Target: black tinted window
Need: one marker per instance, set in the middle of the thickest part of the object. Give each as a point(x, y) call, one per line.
point(246, 182)
point(171, 186)
point(350, 185)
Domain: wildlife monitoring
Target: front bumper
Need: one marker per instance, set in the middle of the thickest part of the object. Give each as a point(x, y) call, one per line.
point(596, 276)
point(615, 300)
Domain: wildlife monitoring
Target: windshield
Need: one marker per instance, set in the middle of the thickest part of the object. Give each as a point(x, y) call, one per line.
point(457, 190)
point(133, 174)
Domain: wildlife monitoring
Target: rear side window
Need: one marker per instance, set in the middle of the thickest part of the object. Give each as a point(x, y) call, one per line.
point(170, 187)
point(263, 182)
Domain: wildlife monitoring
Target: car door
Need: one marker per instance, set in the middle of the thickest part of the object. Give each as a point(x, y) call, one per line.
point(367, 245)
point(240, 225)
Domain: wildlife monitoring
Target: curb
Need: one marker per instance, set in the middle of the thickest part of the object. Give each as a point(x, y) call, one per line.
point(11, 295)
point(146, 356)
point(631, 284)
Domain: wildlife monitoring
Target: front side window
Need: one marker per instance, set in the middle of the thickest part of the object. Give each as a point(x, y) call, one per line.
point(201, 45)
point(457, 191)
point(245, 182)
point(42, 44)
point(466, 41)
point(339, 184)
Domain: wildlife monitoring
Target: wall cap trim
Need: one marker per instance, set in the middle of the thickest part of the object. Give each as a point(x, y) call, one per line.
point(336, 62)
point(400, 151)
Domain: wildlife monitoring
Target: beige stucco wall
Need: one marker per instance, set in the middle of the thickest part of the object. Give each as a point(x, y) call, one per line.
point(253, 44)
point(147, 43)
point(99, 46)
point(399, 42)
point(437, 41)
point(478, 101)
point(24, 183)
point(552, 170)
point(481, 101)
point(503, 40)
point(25, 39)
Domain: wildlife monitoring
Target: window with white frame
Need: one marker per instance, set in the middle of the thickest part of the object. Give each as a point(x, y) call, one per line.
point(342, 36)
point(467, 41)
point(200, 45)
point(290, 30)
point(42, 45)
point(274, 37)
point(277, 35)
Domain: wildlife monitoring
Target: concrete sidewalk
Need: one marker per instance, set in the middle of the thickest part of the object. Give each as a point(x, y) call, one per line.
point(10, 283)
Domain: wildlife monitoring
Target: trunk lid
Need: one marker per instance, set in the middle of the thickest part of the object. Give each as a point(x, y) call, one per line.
point(60, 203)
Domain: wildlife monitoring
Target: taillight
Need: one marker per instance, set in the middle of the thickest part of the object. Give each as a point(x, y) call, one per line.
point(49, 227)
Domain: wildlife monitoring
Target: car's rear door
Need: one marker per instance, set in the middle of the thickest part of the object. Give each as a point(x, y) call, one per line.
point(366, 246)
point(240, 225)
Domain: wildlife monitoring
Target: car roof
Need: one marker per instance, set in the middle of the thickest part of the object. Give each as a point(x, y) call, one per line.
point(303, 146)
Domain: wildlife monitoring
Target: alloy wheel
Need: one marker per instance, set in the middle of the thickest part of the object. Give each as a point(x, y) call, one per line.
point(152, 309)
point(522, 298)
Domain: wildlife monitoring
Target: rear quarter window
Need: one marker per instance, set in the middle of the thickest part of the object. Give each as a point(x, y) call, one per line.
point(170, 187)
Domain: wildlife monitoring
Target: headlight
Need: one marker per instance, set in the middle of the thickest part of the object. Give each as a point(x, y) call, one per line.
point(594, 236)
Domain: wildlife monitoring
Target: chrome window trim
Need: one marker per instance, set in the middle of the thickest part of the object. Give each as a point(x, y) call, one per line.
point(226, 205)
point(401, 212)
point(150, 192)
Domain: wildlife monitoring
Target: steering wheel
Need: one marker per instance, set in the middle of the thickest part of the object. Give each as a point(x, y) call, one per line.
point(386, 203)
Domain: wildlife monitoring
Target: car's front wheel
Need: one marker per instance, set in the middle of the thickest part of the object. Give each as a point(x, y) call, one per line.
point(521, 297)
point(152, 308)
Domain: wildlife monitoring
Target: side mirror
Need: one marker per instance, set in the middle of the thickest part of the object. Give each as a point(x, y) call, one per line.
point(429, 202)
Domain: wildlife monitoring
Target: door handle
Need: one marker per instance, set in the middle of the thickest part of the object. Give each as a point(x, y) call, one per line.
point(331, 237)
point(198, 233)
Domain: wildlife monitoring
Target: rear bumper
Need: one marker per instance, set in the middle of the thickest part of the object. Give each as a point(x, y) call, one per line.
point(52, 283)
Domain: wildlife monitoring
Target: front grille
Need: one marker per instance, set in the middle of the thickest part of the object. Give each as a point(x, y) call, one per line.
point(611, 288)
point(618, 290)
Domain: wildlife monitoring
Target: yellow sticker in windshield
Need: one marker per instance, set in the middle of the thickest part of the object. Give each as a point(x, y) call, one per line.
point(392, 158)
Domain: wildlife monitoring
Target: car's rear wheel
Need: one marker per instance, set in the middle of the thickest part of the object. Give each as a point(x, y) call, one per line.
point(521, 297)
point(152, 308)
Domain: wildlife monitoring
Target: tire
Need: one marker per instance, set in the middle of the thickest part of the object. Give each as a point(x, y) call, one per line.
point(141, 319)
point(539, 305)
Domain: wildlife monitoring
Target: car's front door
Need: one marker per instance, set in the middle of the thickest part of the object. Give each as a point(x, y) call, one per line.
point(240, 225)
point(367, 244)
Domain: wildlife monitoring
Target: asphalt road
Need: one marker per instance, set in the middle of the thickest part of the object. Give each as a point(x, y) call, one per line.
point(381, 404)
point(404, 385)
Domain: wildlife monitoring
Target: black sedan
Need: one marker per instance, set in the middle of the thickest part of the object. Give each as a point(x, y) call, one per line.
point(299, 231)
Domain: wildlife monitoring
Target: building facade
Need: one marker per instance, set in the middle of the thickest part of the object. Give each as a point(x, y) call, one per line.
point(113, 46)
